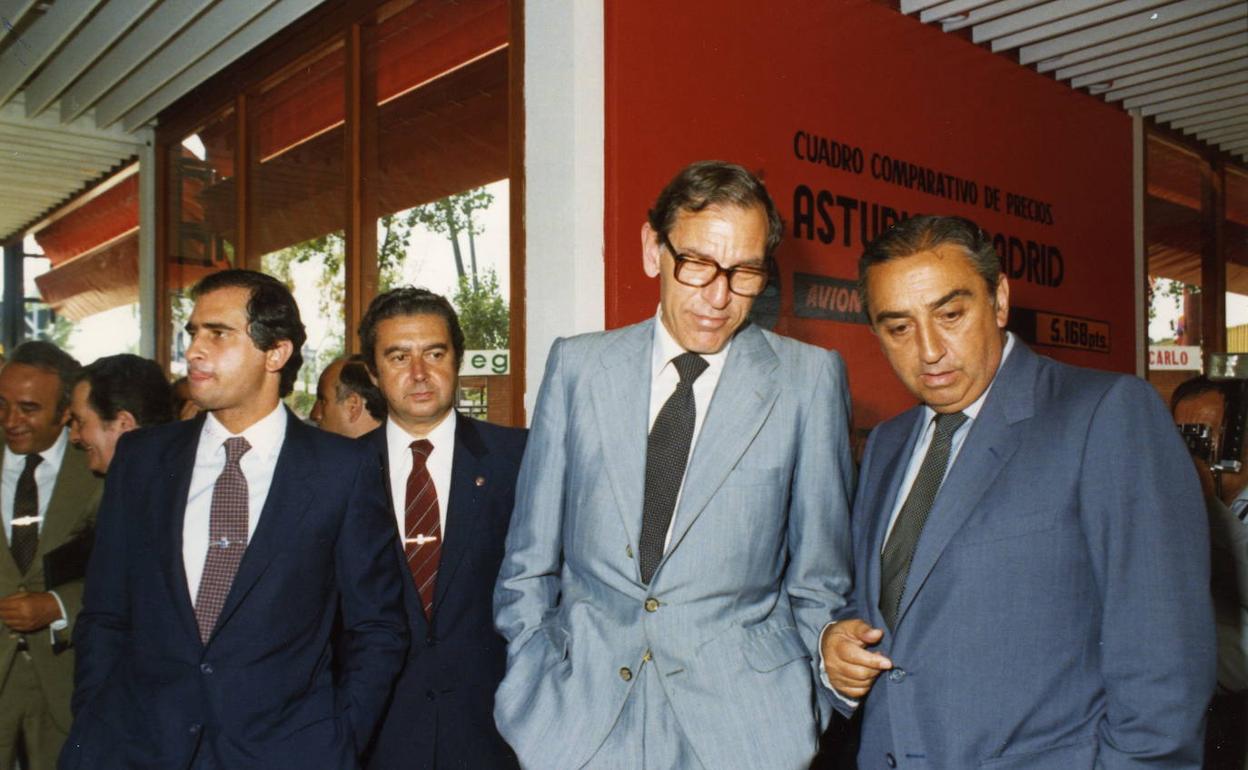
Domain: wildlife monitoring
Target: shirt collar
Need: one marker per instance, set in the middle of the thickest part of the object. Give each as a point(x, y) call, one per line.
point(53, 456)
point(442, 435)
point(972, 411)
point(264, 435)
point(666, 348)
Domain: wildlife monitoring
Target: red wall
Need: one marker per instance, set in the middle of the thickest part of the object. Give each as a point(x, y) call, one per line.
point(738, 80)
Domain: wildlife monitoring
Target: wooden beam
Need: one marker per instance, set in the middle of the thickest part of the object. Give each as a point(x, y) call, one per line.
point(362, 171)
point(1213, 257)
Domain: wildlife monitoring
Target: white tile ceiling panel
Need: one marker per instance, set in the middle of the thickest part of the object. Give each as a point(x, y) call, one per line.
point(1108, 26)
point(1167, 37)
point(152, 34)
point(79, 79)
point(84, 47)
point(1183, 63)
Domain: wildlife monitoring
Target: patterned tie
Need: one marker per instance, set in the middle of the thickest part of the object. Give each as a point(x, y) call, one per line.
point(422, 540)
point(24, 541)
point(227, 538)
point(667, 453)
point(899, 549)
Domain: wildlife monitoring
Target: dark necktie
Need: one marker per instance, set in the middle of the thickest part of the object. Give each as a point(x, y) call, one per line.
point(422, 537)
point(227, 538)
point(667, 453)
point(24, 540)
point(899, 549)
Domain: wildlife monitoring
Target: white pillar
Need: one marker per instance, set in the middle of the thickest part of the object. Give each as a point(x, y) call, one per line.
point(149, 292)
point(563, 166)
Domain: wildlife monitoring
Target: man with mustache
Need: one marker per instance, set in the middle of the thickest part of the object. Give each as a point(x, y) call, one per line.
point(113, 396)
point(452, 481)
point(229, 549)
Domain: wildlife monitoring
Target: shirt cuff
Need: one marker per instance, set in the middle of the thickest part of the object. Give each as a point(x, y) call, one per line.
point(61, 623)
point(823, 673)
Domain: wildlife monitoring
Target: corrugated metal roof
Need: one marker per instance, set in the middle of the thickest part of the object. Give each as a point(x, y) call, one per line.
point(79, 79)
point(1183, 63)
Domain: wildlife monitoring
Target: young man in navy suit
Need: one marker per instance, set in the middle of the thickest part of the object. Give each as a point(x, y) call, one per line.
point(227, 546)
point(1031, 548)
point(452, 481)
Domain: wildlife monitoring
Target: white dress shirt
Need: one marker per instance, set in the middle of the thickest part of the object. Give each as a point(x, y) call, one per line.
point(45, 478)
point(266, 438)
point(399, 449)
point(663, 381)
point(925, 441)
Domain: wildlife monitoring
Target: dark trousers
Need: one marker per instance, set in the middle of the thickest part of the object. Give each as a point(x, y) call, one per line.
point(1226, 734)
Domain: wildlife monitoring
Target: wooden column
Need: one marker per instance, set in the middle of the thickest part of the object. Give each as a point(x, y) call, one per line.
point(362, 172)
point(1213, 257)
point(516, 334)
point(243, 256)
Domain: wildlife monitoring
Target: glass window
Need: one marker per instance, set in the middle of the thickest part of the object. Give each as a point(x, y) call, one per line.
point(298, 202)
point(202, 213)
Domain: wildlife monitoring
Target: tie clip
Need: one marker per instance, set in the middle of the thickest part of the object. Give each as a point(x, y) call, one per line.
point(224, 542)
point(23, 521)
point(420, 539)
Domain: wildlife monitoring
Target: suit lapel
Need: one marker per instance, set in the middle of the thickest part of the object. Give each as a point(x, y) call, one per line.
point(463, 507)
point(8, 567)
point(623, 411)
point(75, 485)
point(287, 502)
point(988, 446)
point(172, 485)
point(743, 398)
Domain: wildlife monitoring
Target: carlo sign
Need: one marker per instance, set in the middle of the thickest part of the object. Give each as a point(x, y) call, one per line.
point(1175, 357)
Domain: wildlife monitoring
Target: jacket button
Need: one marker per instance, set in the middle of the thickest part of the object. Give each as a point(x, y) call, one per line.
point(652, 604)
point(195, 729)
point(890, 760)
point(431, 641)
point(430, 695)
point(206, 668)
point(896, 675)
point(626, 674)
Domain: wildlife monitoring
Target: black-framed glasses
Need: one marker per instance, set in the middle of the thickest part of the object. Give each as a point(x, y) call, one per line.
point(743, 280)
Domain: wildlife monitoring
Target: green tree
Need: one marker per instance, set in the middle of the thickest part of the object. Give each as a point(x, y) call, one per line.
point(452, 216)
point(483, 312)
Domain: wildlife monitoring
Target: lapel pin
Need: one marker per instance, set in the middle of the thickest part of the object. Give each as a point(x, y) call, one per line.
point(480, 481)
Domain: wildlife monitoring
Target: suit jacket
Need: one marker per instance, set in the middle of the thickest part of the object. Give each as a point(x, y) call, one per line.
point(441, 714)
point(757, 562)
point(70, 514)
point(1057, 610)
point(261, 692)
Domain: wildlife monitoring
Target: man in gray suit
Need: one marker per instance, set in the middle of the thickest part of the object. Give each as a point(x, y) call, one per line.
point(1031, 548)
point(680, 536)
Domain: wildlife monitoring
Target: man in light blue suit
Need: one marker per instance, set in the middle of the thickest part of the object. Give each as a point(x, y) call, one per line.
point(1031, 547)
point(681, 535)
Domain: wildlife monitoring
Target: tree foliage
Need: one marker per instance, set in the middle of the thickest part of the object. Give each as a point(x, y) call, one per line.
point(483, 312)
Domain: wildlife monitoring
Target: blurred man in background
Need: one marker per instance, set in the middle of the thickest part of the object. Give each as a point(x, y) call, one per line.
point(347, 401)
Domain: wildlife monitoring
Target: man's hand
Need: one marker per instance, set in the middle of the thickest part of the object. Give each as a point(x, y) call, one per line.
point(851, 668)
point(25, 612)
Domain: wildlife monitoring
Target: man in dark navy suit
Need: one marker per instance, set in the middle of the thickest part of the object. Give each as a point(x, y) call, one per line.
point(226, 548)
point(452, 480)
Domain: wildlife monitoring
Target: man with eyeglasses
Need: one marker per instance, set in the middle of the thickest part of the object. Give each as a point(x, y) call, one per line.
point(680, 536)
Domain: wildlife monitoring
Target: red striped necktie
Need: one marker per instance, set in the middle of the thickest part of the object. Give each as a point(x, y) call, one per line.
point(422, 538)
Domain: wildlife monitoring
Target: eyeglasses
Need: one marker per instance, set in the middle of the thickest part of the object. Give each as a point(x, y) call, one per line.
point(691, 271)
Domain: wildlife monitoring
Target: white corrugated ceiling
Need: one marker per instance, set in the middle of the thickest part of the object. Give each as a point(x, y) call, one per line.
point(1183, 63)
point(80, 78)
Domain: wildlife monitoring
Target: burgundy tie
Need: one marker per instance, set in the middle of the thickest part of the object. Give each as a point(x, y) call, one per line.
point(422, 539)
point(227, 538)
